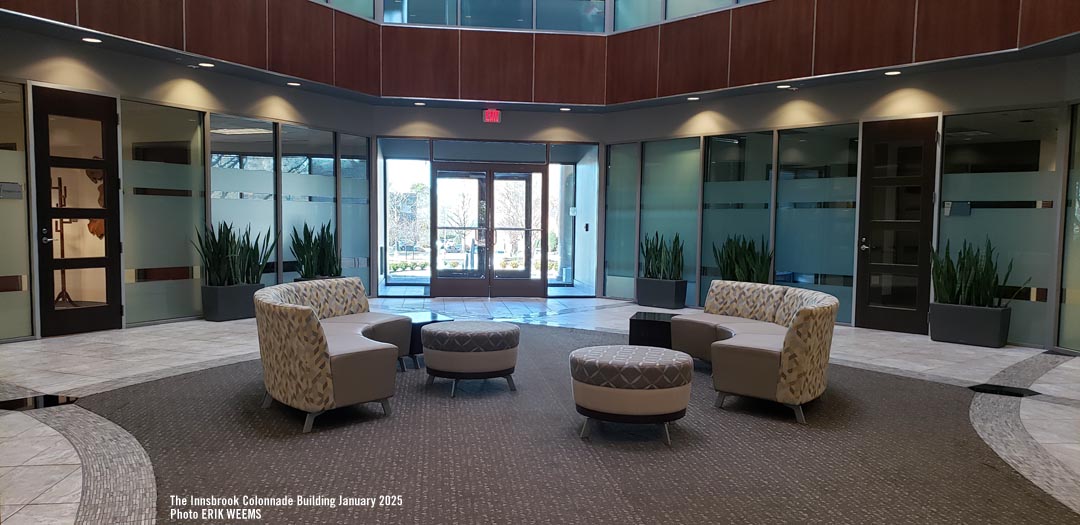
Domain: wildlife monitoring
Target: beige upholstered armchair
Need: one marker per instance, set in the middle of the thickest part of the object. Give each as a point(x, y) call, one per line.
point(765, 341)
point(322, 349)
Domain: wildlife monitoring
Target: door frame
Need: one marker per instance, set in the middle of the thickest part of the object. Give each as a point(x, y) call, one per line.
point(495, 287)
point(858, 291)
point(111, 315)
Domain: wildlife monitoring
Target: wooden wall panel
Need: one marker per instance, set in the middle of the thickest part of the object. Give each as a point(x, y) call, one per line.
point(158, 22)
point(356, 54)
point(952, 28)
point(863, 34)
point(496, 65)
point(211, 30)
point(570, 69)
point(632, 65)
point(420, 62)
point(772, 41)
point(694, 54)
point(59, 10)
point(301, 39)
point(1042, 20)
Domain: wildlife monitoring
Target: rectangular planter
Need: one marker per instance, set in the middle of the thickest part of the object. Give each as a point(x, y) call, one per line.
point(970, 325)
point(228, 303)
point(660, 293)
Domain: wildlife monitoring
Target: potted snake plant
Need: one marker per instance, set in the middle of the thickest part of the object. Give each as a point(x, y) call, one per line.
point(316, 253)
point(661, 283)
point(232, 270)
point(968, 307)
point(741, 259)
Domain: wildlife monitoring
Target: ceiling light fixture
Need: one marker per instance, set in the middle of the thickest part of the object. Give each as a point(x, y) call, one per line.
point(292, 84)
point(205, 64)
point(90, 40)
point(784, 86)
point(564, 109)
point(693, 99)
point(419, 104)
point(893, 73)
point(242, 131)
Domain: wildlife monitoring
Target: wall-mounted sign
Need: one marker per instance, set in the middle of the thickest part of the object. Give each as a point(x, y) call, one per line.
point(492, 116)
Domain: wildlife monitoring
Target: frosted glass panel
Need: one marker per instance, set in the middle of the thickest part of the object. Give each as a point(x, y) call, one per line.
point(15, 257)
point(308, 190)
point(679, 8)
point(620, 225)
point(242, 176)
point(999, 182)
point(670, 194)
point(636, 13)
point(355, 208)
point(163, 207)
point(570, 15)
point(815, 216)
point(1069, 329)
point(736, 198)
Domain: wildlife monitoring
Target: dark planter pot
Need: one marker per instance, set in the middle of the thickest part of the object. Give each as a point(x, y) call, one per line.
point(970, 325)
point(228, 303)
point(660, 293)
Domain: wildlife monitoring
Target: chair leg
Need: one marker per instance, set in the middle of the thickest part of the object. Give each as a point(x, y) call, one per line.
point(799, 416)
point(415, 361)
point(267, 400)
point(453, 388)
point(430, 379)
point(401, 364)
point(310, 420)
point(586, 429)
point(720, 397)
point(667, 435)
point(385, 406)
point(510, 381)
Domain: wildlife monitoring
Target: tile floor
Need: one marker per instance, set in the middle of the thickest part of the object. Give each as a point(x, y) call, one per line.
point(40, 472)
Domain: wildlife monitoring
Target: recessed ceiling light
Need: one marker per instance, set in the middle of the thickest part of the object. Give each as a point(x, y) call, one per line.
point(293, 84)
point(205, 64)
point(419, 103)
point(893, 73)
point(90, 40)
point(783, 86)
point(692, 99)
point(564, 109)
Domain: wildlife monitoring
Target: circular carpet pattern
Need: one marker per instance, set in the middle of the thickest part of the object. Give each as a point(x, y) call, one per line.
point(877, 449)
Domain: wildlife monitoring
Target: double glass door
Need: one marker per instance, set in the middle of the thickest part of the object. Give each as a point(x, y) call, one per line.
point(489, 231)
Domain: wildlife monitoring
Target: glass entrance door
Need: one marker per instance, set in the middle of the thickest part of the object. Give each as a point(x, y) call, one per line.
point(78, 203)
point(489, 232)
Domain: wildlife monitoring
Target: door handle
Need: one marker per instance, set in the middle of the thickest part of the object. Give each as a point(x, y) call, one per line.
point(864, 247)
point(46, 240)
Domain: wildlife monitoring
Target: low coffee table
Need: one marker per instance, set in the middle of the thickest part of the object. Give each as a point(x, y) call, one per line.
point(651, 329)
point(420, 320)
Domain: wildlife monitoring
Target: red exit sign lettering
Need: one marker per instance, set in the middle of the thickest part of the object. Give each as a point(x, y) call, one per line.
point(492, 116)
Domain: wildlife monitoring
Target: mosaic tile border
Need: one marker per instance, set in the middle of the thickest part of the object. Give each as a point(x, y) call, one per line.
point(997, 421)
point(118, 478)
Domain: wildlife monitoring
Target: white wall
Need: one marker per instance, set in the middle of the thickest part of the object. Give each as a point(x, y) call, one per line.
point(585, 249)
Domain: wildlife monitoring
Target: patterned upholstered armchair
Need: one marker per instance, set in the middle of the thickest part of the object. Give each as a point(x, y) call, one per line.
point(322, 349)
point(764, 341)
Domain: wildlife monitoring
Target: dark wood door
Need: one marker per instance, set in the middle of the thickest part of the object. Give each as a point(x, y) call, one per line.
point(896, 224)
point(78, 204)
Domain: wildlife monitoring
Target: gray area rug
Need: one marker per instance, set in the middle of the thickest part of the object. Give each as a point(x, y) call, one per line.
point(878, 449)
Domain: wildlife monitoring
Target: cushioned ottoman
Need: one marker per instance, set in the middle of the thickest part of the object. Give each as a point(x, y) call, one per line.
point(631, 384)
point(470, 350)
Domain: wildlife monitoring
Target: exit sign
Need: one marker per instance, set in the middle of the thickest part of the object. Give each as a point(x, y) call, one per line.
point(492, 116)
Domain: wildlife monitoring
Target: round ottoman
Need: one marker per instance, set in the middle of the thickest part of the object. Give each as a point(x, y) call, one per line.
point(631, 384)
point(470, 350)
